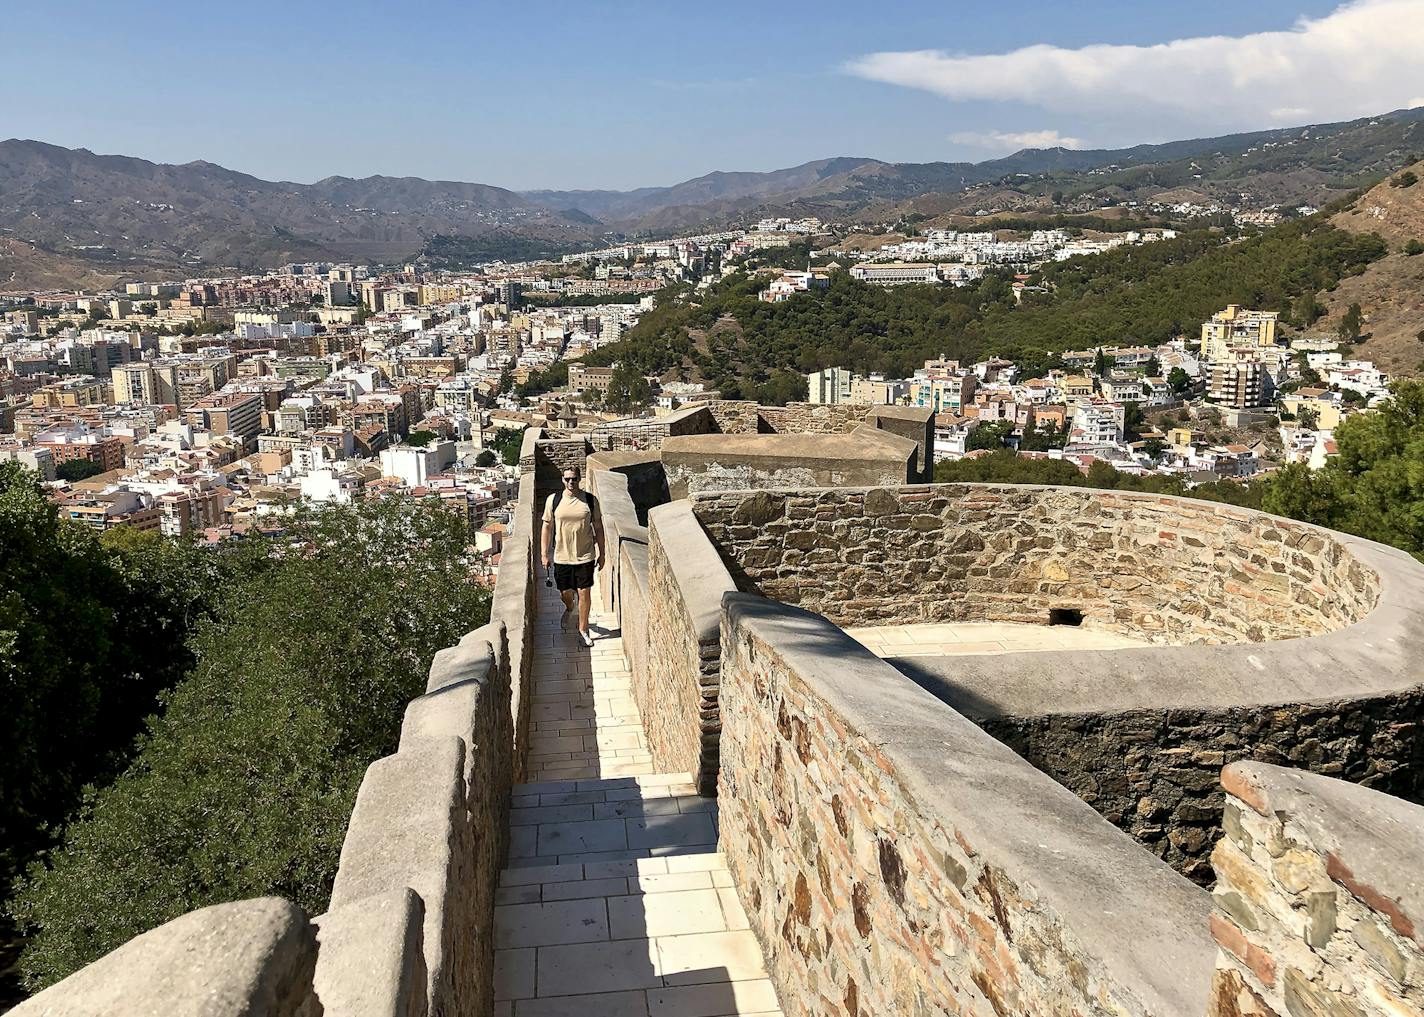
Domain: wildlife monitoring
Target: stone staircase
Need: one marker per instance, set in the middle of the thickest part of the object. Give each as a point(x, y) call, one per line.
point(616, 901)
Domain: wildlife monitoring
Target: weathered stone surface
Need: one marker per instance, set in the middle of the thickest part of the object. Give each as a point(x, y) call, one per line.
point(677, 690)
point(369, 962)
point(1327, 927)
point(252, 958)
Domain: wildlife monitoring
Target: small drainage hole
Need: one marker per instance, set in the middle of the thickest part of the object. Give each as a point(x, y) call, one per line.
point(1065, 616)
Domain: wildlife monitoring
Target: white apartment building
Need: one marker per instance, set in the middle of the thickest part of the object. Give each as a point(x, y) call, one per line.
point(831, 386)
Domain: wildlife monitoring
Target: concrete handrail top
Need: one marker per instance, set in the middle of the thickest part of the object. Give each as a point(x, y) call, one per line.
point(1370, 840)
point(611, 462)
point(698, 568)
point(1045, 839)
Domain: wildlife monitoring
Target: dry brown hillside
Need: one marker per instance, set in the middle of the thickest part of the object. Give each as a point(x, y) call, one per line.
point(1390, 291)
point(24, 268)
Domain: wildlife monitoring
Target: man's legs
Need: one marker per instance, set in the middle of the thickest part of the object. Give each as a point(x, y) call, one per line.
point(568, 597)
point(585, 600)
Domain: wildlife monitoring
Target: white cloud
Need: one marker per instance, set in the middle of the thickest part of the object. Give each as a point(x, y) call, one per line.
point(1012, 141)
point(1362, 58)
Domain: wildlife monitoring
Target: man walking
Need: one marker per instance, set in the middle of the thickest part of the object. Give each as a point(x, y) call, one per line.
point(573, 534)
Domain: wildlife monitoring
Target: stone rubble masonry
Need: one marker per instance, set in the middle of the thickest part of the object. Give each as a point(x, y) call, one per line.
point(1165, 570)
point(677, 689)
point(1319, 903)
point(513, 605)
point(640, 435)
point(894, 859)
point(250, 957)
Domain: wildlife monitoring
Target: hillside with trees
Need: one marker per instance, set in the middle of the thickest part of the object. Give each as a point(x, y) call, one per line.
point(746, 348)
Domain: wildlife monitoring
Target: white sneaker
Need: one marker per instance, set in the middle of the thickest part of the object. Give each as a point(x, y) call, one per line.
point(564, 619)
point(587, 638)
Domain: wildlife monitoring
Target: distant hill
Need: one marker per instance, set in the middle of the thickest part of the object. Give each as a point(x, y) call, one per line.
point(90, 217)
point(1390, 291)
point(1288, 165)
point(116, 215)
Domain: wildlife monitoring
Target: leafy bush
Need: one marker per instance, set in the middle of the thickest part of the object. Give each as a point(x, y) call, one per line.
point(245, 783)
point(91, 631)
point(1406, 179)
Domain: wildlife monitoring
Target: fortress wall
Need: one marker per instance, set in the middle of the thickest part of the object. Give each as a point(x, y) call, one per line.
point(1139, 734)
point(649, 433)
point(678, 688)
point(633, 592)
point(893, 858)
point(1154, 773)
point(1165, 570)
point(513, 605)
point(1319, 901)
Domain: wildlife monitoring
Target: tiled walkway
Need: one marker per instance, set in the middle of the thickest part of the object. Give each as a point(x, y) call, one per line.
point(615, 901)
point(968, 638)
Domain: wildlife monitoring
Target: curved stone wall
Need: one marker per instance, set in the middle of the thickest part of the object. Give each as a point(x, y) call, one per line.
point(1139, 734)
point(1165, 570)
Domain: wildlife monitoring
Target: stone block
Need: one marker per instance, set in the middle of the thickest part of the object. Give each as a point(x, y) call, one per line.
point(370, 962)
point(253, 958)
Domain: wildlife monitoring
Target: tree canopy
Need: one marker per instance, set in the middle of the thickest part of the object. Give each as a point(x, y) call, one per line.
point(245, 782)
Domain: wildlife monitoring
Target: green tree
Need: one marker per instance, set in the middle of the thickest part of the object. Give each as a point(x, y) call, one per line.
point(1179, 381)
point(507, 442)
point(420, 438)
point(627, 390)
point(1307, 309)
point(1374, 487)
point(77, 469)
point(989, 436)
point(245, 782)
point(1308, 416)
point(1350, 324)
point(485, 458)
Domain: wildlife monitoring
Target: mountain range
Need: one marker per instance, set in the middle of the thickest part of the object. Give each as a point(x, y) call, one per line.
point(71, 217)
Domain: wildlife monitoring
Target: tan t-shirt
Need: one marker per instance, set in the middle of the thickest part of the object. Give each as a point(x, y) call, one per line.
point(573, 529)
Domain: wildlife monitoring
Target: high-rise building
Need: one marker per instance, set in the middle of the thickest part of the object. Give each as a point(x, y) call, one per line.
point(1237, 326)
point(149, 383)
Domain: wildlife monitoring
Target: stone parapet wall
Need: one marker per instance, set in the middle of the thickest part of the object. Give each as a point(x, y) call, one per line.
point(1155, 773)
point(637, 612)
point(677, 690)
point(1166, 570)
point(648, 434)
point(894, 859)
point(619, 518)
point(1319, 904)
point(867, 456)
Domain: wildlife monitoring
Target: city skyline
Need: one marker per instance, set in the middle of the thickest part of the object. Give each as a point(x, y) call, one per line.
point(524, 107)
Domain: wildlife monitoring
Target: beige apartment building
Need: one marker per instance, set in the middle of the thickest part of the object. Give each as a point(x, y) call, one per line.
point(149, 384)
point(1237, 326)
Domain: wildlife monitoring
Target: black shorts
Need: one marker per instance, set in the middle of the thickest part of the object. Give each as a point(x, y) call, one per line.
point(573, 577)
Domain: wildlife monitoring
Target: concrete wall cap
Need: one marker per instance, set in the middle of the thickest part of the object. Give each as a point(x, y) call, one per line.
point(695, 564)
point(254, 958)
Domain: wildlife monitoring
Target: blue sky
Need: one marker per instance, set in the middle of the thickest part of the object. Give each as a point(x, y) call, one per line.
point(611, 94)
